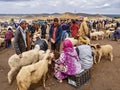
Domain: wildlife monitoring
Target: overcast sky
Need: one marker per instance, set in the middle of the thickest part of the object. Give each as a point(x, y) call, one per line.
point(59, 6)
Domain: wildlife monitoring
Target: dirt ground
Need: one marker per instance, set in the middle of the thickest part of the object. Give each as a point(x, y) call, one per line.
point(105, 75)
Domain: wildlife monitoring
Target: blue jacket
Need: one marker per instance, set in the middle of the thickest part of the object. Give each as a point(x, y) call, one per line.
point(58, 33)
point(42, 43)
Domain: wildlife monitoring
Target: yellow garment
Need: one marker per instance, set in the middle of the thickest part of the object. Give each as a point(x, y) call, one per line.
point(83, 30)
point(83, 40)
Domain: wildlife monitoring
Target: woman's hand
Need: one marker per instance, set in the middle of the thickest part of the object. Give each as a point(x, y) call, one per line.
point(62, 67)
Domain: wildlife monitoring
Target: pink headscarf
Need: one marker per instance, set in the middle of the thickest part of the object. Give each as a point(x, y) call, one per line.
point(67, 46)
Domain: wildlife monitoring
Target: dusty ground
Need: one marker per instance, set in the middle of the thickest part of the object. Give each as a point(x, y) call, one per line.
point(105, 75)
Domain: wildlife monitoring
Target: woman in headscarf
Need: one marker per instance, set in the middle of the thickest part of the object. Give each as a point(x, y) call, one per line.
point(68, 62)
point(85, 53)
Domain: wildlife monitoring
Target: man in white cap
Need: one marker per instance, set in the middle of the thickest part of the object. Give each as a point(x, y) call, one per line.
point(20, 40)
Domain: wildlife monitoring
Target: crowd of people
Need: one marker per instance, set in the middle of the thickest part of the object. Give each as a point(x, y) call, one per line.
point(72, 60)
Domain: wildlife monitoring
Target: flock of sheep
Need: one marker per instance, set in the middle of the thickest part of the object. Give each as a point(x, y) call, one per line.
point(34, 67)
point(34, 64)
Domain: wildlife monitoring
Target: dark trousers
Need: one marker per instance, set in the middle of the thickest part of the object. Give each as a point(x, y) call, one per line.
point(8, 43)
point(55, 46)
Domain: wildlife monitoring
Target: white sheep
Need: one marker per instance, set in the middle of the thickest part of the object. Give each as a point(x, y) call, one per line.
point(41, 54)
point(101, 34)
point(94, 35)
point(33, 73)
point(109, 33)
point(104, 50)
point(74, 41)
point(97, 35)
point(16, 63)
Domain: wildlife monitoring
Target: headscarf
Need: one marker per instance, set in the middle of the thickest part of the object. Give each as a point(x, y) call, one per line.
point(67, 46)
point(69, 49)
point(9, 28)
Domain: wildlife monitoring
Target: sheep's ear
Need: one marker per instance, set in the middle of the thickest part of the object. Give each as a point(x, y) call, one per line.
point(98, 46)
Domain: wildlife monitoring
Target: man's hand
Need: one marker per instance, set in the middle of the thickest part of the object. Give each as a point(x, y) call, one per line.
point(53, 41)
point(20, 55)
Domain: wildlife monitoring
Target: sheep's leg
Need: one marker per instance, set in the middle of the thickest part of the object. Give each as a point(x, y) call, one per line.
point(94, 58)
point(11, 73)
point(97, 38)
point(22, 85)
point(44, 78)
point(99, 57)
point(111, 57)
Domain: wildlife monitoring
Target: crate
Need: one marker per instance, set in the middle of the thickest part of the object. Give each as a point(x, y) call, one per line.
point(79, 79)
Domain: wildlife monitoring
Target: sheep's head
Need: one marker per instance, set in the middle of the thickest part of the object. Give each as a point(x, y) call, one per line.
point(56, 55)
point(95, 46)
point(98, 46)
point(50, 57)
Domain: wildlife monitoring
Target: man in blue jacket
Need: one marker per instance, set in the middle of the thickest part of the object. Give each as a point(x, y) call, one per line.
point(55, 35)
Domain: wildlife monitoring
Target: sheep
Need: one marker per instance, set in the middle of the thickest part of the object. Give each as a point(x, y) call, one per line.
point(104, 50)
point(107, 26)
point(101, 34)
point(41, 54)
point(94, 35)
point(16, 63)
point(33, 73)
point(97, 35)
point(75, 41)
point(109, 33)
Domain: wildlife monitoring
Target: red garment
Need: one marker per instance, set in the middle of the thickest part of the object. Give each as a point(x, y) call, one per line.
point(74, 28)
point(8, 35)
point(54, 33)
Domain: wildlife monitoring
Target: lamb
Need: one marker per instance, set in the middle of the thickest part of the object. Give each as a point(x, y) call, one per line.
point(33, 73)
point(16, 63)
point(104, 50)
